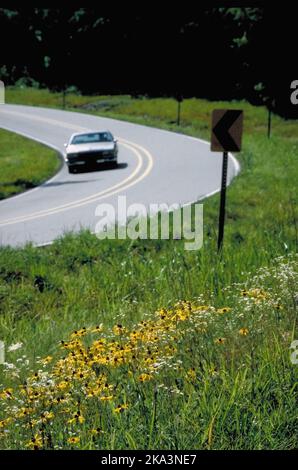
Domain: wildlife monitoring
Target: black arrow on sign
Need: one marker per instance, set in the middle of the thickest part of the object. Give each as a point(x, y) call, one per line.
point(221, 130)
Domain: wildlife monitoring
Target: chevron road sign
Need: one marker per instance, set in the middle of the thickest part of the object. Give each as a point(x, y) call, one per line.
point(226, 137)
point(226, 130)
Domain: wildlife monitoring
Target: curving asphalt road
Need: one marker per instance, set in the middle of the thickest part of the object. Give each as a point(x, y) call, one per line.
point(155, 166)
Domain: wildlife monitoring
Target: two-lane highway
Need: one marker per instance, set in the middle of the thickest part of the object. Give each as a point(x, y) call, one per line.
point(155, 166)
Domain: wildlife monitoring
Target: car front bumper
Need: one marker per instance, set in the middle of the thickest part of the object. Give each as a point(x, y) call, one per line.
point(90, 159)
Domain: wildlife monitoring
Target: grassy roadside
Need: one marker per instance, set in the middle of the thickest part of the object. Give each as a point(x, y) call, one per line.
point(159, 112)
point(24, 164)
point(214, 373)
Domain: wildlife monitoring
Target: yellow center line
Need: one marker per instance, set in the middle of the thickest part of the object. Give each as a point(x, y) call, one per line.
point(124, 184)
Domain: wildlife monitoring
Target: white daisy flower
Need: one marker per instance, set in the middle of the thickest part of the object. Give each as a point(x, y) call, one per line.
point(14, 347)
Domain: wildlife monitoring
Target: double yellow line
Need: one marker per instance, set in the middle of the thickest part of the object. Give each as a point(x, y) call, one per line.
point(143, 168)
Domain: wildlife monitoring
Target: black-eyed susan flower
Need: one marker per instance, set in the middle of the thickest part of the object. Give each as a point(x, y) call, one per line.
point(119, 329)
point(243, 331)
point(162, 312)
point(220, 340)
point(46, 416)
point(35, 443)
point(46, 360)
point(5, 422)
point(6, 393)
point(79, 333)
point(145, 377)
point(32, 423)
point(76, 418)
point(62, 385)
point(97, 329)
point(223, 310)
point(120, 408)
point(96, 431)
point(23, 412)
point(73, 440)
point(257, 294)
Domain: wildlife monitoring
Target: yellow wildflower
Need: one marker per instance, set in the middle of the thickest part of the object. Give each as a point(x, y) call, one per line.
point(78, 333)
point(35, 443)
point(47, 416)
point(5, 422)
point(96, 432)
point(77, 418)
point(97, 329)
point(144, 377)
point(162, 312)
point(243, 331)
point(46, 360)
point(73, 440)
point(24, 412)
point(107, 398)
point(32, 423)
point(72, 345)
point(62, 385)
point(119, 329)
point(120, 408)
point(257, 294)
point(220, 340)
point(7, 393)
point(223, 310)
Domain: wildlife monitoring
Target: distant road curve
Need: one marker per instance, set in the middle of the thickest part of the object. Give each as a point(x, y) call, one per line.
point(155, 166)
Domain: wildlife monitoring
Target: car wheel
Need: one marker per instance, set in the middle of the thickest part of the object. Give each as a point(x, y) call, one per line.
point(72, 170)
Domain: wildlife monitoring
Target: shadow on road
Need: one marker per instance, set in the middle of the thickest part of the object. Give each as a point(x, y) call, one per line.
point(120, 166)
point(102, 167)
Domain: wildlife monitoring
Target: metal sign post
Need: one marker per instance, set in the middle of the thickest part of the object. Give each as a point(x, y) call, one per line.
point(226, 137)
point(64, 98)
point(178, 113)
point(222, 208)
point(269, 123)
point(179, 99)
point(2, 92)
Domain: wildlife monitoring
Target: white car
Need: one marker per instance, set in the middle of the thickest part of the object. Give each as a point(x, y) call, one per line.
point(90, 149)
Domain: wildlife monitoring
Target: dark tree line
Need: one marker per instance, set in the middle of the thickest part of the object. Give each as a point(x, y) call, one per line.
point(216, 53)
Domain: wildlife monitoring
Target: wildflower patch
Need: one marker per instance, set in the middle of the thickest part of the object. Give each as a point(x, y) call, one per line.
point(101, 383)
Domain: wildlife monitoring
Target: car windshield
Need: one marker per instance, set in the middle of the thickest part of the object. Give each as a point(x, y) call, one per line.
point(92, 137)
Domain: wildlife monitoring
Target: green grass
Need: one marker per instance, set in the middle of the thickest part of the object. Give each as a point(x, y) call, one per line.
point(24, 164)
point(241, 394)
point(160, 112)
